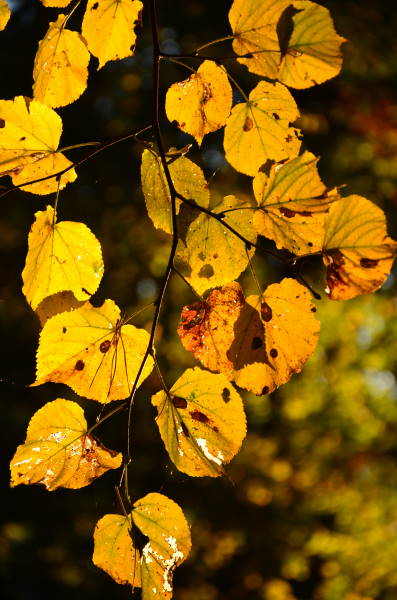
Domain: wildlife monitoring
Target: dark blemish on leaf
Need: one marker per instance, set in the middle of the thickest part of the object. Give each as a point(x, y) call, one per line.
point(207, 93)
point(206, 271)
point(295, 53)
point(248, 124)
point(313, 309)
point(309, 244)
point(199, 416)
point(256, 343)
point(22, 138)
point(63, 329)
point(265, 390)
point(185, 429)
point(287, 212)
point(368, 263)
point(105, 345)
point(179, 402)
point(289, 139)
point(275, 116)
point(94, 6)
point(2, 123)
point(266, 312)
point(273, 353)
point(201, 256)
point(79, 366)
point(215, 255)
point(226, 395)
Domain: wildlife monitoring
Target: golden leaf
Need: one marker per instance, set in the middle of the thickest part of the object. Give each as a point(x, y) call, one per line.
point(5, 14)
point(258, 342)
point(292, 200)
point(188, 179)
point(90, 350)
point(108, 27)
point(212, 255)
point(29, 139)
point(58, 452)
point(61, 66)
point(63, 256)
point(259, 130)
point(55, 3)
point(201, 421)
point(201, 103)
point(356, 249)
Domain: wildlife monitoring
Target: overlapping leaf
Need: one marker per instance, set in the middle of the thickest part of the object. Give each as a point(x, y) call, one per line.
point(5, 14)
point(61, 66)
point(58, 452)
point(259, 130)
point(163, 522)
point(200, 104)
point(89, 350)
point(356, 249)
point(201, 421)
point(293, 201)
point(64, 256)
point(108, 28)
point(211, 254)
point(29, 139)
point(188, 179)
point(258, 342)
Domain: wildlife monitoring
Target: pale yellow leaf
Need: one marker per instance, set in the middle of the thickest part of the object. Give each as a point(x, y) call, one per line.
point(5, 14)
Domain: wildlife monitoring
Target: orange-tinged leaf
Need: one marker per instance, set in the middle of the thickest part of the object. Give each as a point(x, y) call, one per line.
point(201, 103)
point(293, 201)
point(5, 14)
point(90, 350)
point(258, 342)
point(314, 48)
point(188, 179)
point(64, 256)
point(58, 452)
point(61, 66)
point(356, 249)
point(29, 139)
point(201, 421)
point(212, 255)
point(55, 3)
point(108, 28)
point(259, 130)
point(254, 24)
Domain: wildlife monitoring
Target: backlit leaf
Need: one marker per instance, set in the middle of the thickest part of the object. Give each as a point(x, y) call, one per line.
point(258, 342)
point(259, 130)
point(212, 255)
point(58, 452)
point(202, 422)
point(29, 139)
point(163, 522)
point(92, 352)
point(293, 201)
point(357, 250)
point(314, 49)
point(188, 179)
point(5, 14)
point(61, 66)
point(61, 256)
point(56, 3)
point(201, 103)
point(108, 28)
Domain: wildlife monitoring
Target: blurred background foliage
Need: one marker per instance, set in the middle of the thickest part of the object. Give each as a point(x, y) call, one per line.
point(309, 508)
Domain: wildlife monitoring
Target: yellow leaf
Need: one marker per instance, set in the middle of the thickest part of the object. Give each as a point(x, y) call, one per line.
point(61, 256)
point(108, 28)
point(55, 304)
point(188, 179)
point(254, 24)
point(292, 200)
point(201, 103)
point(56, 3)
point(356, 249)
point(314, 49)
point(212, 255)
point(163, 522)
point(61, 66)
point(29, 139)
point(259, 342)
point(259, 130)
point(202, 422)
point(5, 14)
point(92, 352)
point(58, 452)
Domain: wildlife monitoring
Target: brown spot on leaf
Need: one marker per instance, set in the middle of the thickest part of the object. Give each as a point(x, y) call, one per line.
point(2, 123)
point(275, 116)
point(256, 343)
point(266, 312)
point(94, 6)
point(313, 309)
point(248, 124)
point(207, 93)
point(199, 416)
point(226, 395)
point(265, 390)
point(179, 402)
point(206, 271)
point(79, 366)
point(105, 345)
point(22, 138)
point(287, 212)
point(273, 353)
point(368, 263)
point(185, 429)
point(63, 329)
point(294, 52)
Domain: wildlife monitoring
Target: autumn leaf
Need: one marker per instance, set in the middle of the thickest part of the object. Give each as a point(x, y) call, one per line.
point(61, 66)
point(29, 139)
point(201, 421)
point(56, 3)
point(314, 48)
point(188, 179)
point(5, 14)
point(163, 522)
point(259, 130)
point(259, 342)
point(201, 103)
point(357, 251)
point(108, 28)
point(58, 451)
point(211, 254)
point(64, 256)
point(293, 201)
point(91, 351)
